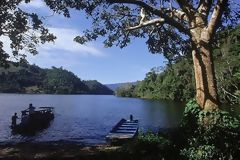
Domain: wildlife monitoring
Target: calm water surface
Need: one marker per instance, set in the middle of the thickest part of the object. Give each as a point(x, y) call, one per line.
point(87, 118)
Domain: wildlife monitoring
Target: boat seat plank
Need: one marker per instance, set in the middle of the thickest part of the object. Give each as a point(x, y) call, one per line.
point(129, 124)
point(124, 125)
point(127, 128)
point(124, 131)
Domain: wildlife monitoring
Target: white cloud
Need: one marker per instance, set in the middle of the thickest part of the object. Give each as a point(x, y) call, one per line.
point(65, 43)
point(63, 52)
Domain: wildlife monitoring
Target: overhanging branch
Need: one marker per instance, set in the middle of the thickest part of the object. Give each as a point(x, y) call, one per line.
point(147, 23)
point(167, 19)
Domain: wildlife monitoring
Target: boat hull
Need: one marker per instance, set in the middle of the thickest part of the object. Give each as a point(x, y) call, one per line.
point(33, 123)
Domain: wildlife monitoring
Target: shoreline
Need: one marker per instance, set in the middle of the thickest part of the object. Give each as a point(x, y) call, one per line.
point(55, 150)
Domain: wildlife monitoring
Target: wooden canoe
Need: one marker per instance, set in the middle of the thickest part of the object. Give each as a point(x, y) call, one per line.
point(123, 130)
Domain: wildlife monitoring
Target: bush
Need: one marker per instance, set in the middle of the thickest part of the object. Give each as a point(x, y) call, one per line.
point(190, 118)
point(214, 134)
point(150, 146)
point(204, 152)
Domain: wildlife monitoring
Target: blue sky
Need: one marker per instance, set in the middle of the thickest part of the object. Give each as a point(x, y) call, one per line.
point(91, 61)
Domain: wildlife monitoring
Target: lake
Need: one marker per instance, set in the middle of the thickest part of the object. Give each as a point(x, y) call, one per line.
point(86, 118)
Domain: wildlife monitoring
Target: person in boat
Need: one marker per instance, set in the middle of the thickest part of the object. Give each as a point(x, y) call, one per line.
point(14, 120)
point(24, 117)
point(31, 109)
point(131, 117)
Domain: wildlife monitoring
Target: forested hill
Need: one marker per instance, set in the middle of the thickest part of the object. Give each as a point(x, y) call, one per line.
point(25, 78)
point(176, 81)
point(118, 85)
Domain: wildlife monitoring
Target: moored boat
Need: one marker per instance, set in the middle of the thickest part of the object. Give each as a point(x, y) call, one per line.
point(124, 130)
point(33, 120)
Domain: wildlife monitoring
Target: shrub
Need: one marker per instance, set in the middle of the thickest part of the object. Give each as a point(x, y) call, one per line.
point(149, 146)
point(210, 134)
point(204, 152)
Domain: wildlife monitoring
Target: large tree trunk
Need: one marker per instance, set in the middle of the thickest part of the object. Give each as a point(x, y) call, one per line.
point(206, 89)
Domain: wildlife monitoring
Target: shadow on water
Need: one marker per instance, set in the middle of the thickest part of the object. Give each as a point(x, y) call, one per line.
point(162, 115)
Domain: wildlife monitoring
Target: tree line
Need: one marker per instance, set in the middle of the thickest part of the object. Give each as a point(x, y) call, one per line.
point(25, 78)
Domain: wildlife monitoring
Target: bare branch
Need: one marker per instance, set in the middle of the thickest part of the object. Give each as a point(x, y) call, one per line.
point(147, 23)
point(216, 16)
point(225, 91)
point(143, 15)
point(180, 15)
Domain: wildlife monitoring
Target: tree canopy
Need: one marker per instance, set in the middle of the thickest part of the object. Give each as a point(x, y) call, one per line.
point(165, 23)
point(24, 30)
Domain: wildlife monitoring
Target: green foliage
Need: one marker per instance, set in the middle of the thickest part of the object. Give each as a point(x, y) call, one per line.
point(189, 122)
point(151, 138)
point(60, 81)
point(25, 30)
point(33, 79)
point(205, 152)
point(172, 83)
point(97, 88)
point(210, 134)
point(237, 92)
point(227, 64)
point(192, 108)
point(150, 146)
point(127, 90)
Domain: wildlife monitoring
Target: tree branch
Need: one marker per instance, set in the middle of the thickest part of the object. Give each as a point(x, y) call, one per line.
point(167, 19)
point(185, 6)
point(216, 16)
point(225, 91)
point(180, 15)
point(204, 7)
point(147, 23)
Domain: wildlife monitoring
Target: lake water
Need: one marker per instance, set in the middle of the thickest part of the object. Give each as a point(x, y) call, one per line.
point(86, 118)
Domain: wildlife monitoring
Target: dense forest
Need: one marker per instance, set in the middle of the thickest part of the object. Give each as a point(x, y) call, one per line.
point(25, 78)
point(176, 81)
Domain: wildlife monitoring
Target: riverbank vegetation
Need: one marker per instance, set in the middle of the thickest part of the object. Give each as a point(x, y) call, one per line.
point(25, 78)
point(176, 81)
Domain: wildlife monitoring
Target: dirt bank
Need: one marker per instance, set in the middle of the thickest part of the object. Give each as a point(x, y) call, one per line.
point(31, 151)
